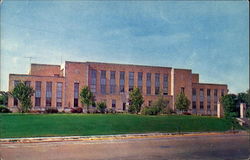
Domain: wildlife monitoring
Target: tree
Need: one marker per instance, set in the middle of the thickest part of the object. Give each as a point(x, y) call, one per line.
point(23, 94)
point(136, 101)
point(229, 102)
point(3, 98)
point(87, 97)
point(182, 102)
point(162, 104)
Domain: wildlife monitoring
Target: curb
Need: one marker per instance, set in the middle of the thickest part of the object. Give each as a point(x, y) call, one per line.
point(115, 137)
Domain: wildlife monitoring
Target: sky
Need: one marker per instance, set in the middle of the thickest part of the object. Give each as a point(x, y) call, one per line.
point(209, 37)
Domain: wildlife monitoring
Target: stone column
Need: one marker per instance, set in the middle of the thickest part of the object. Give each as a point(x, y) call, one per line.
point(219, 110)
point(242, 110)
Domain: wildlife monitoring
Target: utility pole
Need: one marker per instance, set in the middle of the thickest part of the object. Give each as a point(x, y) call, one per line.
point(30, 58)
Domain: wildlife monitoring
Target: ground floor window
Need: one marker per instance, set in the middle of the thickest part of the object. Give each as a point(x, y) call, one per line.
point(113, 103)
point(124, 106)
point(15, 102)
point(38, 101)
point(194, 104)
point(75, 102)
point(48, 101)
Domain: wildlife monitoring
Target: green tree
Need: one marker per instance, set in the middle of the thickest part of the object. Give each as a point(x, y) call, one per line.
point(101, 106)
point(182, 102)
point(23, 94)
point(136, 101)
point(87, 97)
point(229, 102)
point(162, 104)
point(3, 98)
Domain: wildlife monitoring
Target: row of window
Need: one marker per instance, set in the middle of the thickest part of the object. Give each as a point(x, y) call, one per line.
point(48, 100)
point(113, 89)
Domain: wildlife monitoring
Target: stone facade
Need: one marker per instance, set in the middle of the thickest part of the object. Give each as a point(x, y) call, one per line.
point(112, 82)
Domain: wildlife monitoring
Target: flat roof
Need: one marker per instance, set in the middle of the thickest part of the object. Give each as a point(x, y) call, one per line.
point(28, 75)
point(210, 84)
point(45, 64)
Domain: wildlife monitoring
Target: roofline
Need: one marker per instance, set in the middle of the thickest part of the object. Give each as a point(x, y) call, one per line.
point(28, 75)
point(88, 62)
point(39, 64)
point(210, 84)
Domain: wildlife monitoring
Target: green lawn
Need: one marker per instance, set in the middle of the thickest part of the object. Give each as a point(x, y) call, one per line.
point(35, 125)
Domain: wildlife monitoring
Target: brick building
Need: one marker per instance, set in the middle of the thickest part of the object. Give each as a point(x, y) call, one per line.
point(57, 86)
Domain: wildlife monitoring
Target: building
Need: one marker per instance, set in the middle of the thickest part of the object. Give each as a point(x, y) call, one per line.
point(57, 86)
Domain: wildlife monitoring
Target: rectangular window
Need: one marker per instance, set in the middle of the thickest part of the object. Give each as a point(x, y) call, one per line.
point(149, 103)
point(201, 95)
point(113, 103)
point(93, 80)
point(140, 76)
point(165, 84)
point(215, 96)
point(48, 93)
point(103, 82)
point(148, 83)
point(222, 92)
point(27, 83)
point(15, 100)
point(59, 94)
point(112, 82)
point(157, 83)
point(123, 106)
point(182, 90)
point(194, 104)
point(201, 105)
point(38, 93)
point(122, 81)
point(208, 105)
point(131, 81)
point(76, 94)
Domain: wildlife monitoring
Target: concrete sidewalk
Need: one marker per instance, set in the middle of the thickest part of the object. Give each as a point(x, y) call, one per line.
point(115, 137)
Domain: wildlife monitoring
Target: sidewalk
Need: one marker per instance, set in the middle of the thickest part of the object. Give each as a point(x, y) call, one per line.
point(115, 137)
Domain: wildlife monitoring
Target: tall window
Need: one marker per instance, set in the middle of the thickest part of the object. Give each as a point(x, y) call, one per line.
point(148, 83)
point(93, 80)
point(222, 92)
point(59, 94)
point(15, 100)
point(215, 99)
point(113, 103)
point(48, 93)
point(122, 81)
point(201, 99)
point(165, 84)
point(103, 82)
point(140, 74)
point(183, 90)
point(194, 98)
point(38, 93)
point(112, 82)
point(27, 83)
point(76, 94)
point(157, 83)
point(208, 99)
point(131, 81)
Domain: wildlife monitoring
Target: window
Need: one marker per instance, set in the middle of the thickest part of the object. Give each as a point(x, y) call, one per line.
point(222, 92)
point(148, 83)
point(76, 94)
point(201, 95)
point(140, 76)
point(123, 106)
point(208, 105)
point(38, 93)
point(215, 96)
point(201, 105)
point(122, 81)
point(112, 82)
point(149, 103)
point(15, 100)
point(157, 83)
point(93, 80)
point(27, 83)
point(131, 81)
point(103, 82)
point(165, 84)
point(113, 103)
point(48, 93)
point(182, 90)
point(194, 104)
point(59, 94)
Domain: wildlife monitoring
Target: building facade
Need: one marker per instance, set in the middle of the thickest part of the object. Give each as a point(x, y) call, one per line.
point(57, 86)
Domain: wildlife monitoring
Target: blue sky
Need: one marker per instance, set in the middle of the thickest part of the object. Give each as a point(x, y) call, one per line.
point(209, 37)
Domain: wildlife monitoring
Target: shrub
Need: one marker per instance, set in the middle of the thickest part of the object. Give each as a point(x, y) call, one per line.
point(101, 106)
point(36, 111)
point(151, 110)
point(76, 110)
point(110, 110)
point(4, 109)
point(186, 113)
point(51, 110)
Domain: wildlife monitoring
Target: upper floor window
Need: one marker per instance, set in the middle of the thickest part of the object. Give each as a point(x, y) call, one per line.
point(103, 82)
point(201, 95)
point(122, 81)
point(112, 82)
point(157, 83)
point(193, 94)
point(140, 74)
point(131, 81)
point(27, 83)
point(148, 83)
point(93, 80)
point(165, 84)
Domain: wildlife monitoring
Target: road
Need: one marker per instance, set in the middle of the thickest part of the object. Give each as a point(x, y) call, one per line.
point(229, 146)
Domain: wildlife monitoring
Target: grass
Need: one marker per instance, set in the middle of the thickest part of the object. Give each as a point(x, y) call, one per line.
point(37, 125)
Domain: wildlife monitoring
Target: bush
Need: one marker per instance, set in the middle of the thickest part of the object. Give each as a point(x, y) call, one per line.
point(248, 112)
point(151, 110)
point(110, 110)
point(4, 109)
point(76, 110)
point(51, 110)
point(36, 111)
point(186, 113)
point(101, 106)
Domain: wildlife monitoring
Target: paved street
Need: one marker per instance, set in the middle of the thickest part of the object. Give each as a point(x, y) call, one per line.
point(177, 147)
